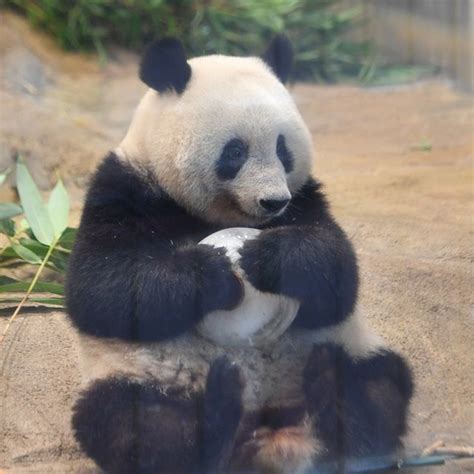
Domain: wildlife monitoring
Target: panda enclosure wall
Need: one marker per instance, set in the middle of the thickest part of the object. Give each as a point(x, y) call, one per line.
point(438, 33)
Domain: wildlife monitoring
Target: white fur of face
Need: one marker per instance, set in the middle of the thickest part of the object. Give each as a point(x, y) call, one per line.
point(181, 138)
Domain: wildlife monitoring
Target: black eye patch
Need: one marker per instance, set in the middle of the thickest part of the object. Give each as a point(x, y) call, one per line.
point(284, 154)
point(233, 157)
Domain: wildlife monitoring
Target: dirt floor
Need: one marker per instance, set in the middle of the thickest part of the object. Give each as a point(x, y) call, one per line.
point(397, 167)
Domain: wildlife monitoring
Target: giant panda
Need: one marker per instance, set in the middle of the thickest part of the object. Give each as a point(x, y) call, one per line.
point(217, 142)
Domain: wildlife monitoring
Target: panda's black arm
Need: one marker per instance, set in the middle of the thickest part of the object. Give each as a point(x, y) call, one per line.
point(307, 256)
point(126, 278)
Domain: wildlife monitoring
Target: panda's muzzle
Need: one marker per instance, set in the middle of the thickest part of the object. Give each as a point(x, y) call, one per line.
point(273, 205)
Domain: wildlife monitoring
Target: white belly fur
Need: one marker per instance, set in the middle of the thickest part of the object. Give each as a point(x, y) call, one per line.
point(273, 373)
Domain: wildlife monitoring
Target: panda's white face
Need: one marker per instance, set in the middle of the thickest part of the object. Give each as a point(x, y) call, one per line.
point(231, 148)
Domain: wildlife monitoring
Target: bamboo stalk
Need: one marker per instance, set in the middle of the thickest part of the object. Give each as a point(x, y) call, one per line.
point(30, 289)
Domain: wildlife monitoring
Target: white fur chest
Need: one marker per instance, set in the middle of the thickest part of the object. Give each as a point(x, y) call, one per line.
point(272, 374)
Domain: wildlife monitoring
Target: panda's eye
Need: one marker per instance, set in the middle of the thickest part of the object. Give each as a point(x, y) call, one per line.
point(284, 154)
point(233, 157)
point(281, 148)
point(234, 149)
point(281, 145)
point(235, 152)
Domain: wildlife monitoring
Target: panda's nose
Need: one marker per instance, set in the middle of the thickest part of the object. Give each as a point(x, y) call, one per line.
point(274, 205)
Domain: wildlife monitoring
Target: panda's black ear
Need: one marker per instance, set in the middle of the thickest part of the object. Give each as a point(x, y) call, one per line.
point(164, 66)
point(279, 56)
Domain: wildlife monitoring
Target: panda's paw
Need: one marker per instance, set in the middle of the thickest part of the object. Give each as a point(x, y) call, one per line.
point(323, 358)
point(366, 399)
point(224, 388)
point(221, 287)
point(222, 411)
point(260, 259)
point(230, 292)
point(321, 374)
point(224, 381)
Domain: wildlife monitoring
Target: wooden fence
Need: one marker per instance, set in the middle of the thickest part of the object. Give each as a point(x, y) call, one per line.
point(436, 32)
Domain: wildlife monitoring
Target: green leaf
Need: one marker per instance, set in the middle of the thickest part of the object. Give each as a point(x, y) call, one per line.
point(40, 299)
point(9, 209)
point(53, 301)
point(23, 225)
point(67, 239)
point(15, 286)
point(57, 261)
point(4, 280)
point(26, 254)
point(58, 208)
point(7, 254)
point(36, 247)
point(3, 176)
point(35, 210)
point(7, 227)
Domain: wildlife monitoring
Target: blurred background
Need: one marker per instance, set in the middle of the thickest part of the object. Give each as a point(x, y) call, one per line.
point(225, 27)
point(334, 39)
point(386, 89)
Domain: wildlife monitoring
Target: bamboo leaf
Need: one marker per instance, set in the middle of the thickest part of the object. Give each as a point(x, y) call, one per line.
point(15, 286)
point(36, 247)
point(36, 299)
point(53, 301)
point(9, 209)
point(26, 254)
point(58, 208)
point(23, 225)
point(8, 253)
point(57, 261)
point(3, 176)
point(35, 210)
point(4, 280)
point(67, 239)
point(7, 227)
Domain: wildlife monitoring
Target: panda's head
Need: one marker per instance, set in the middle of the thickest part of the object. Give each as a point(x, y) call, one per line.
point(221, 134)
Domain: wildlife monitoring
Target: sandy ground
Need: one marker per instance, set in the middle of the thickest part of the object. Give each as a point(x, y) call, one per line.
point(408, 211)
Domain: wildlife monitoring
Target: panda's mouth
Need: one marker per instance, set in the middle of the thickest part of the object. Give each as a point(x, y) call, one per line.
point(226, 208)
point(262, 214)
point(258, 217)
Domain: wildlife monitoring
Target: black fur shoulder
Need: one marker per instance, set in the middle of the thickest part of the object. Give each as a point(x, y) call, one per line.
point(117, 182)
point(120, 192)
point(135, 271)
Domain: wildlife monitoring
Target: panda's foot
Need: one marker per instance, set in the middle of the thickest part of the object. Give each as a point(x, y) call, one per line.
point(222, 412)
point(360, 406)
point(128, 426)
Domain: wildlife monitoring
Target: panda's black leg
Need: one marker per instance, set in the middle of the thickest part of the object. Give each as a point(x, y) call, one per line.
point(359, 406)
point(222, 413)
point(134, 428)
